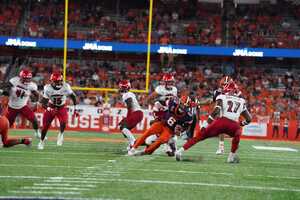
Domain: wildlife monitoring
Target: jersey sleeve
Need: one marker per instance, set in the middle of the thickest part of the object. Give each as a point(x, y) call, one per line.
point(46, 92)
point(220, 97)
point(158, 90)
point(126, 96)
point(13, 80)
point(34, 87)
point(68, 89)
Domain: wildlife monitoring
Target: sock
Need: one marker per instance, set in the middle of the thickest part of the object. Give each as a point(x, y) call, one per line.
point(13, 142)
point(38, 133)
point(221, 145)
point(181, 150)
point(129, 135)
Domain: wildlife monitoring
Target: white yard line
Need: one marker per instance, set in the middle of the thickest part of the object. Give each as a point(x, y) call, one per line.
point(43, 192)
point(54, 188)
point(247, 187)
point(47, 198)
point(212, 173)
point(41, 166)
point(63, 184)
point(73, 181)
point(171, 183)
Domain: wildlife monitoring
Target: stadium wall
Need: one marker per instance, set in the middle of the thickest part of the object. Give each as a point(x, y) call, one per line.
point(105, 119)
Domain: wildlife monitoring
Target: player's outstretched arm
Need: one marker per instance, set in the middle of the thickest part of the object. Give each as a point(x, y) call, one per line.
point(247, 116)
point(149, 98)
point(5, 88)
point(44, 101)
point(216, 112)
point(35, 96)
point(74, 99)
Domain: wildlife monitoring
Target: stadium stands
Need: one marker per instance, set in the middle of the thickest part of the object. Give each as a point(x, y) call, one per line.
point(246, 25)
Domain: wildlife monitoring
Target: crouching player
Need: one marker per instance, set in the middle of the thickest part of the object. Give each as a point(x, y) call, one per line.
point(134, 113)
point(231, 106)
point(4, 141)
point(175, 120)
point(53, 101)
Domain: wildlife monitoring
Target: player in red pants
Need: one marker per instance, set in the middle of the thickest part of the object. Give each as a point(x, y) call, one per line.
point(4, 141)
point(231, 106)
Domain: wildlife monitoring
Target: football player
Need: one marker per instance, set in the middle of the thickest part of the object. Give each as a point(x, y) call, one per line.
point(223, 81)
point(232, 107)
point(18, 90)
point(163, 92)
point(175, 120)
point(4, 141)
point(53, 101)
point(134, 112)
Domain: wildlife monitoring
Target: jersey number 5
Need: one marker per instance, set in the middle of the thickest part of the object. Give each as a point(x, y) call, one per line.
point(57, 101)
point(233, 106)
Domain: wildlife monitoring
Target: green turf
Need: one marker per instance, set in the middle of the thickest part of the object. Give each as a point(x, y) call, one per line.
point(100, 170)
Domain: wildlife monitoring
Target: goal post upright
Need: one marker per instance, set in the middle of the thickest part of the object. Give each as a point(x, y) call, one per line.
point(146, 90)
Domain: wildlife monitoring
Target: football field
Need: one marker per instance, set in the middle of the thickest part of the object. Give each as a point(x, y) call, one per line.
point(94, 166)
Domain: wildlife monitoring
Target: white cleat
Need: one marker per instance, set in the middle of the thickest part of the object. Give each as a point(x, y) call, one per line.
point(132, 152)
point(41, 145)
point(220, 152)
point(60, 139)
point(178, 155)
point(233, 158)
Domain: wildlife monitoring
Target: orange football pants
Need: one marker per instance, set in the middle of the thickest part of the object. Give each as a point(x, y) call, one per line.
point(157, 128)
point(4, 125)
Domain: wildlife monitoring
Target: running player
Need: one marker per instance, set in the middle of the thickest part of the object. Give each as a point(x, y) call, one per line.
point(53, 101)
point(19, 89)
point(134, 112)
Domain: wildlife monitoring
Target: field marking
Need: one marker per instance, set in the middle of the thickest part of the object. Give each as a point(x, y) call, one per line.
point(104, 180)
point(213, 173)
point(268, 148)
point(55, 153)
point(57, 184)
point(41, 166)
point(43, 192)
point(47, 198)
point(54, 188)
point(73, 181)
point(249, 187)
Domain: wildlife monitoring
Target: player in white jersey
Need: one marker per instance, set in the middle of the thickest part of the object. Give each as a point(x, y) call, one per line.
point(54, 100)
point(161, 94)
point(134, 112)
point(229, 107)
point(20, 89)
point(223, 81)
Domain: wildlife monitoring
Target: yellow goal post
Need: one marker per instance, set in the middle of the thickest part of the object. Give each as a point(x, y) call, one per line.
point(146, 90)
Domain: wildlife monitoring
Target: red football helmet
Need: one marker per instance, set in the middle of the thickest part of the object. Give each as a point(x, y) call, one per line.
point(231, 88)
point(224, 81)
point(124, 85)
point(168, 79)
point(56, 79)
point(25, 75)
point(185, 101)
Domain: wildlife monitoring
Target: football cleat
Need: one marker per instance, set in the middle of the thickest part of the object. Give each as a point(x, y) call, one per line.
point(132, 152)
point(233, 158)
point(27, 142)
point(178, 155)
point(60, 139)
point(220, 152)
point(41, 145)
